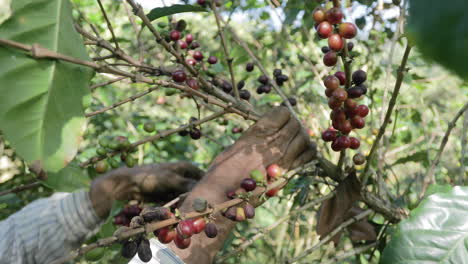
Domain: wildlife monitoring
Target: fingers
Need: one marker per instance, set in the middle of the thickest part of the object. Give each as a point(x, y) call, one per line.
point(187, 170)
point(308, 155)
point(298, 144)
point(170, 189)
point(271, 122)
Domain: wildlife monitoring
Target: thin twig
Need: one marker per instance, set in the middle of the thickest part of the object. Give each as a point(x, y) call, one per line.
point(95, 86)
point(429, 178)
point(350, 253)
point(463, 149)
point(109, 25)
point(21, 188)
point(328, 237)
point(400, 74)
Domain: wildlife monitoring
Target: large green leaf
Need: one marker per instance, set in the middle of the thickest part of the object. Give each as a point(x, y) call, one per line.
point(40, 103)
point(440, 30)
point(158, 12)
point(436, 232)
point(68, 179)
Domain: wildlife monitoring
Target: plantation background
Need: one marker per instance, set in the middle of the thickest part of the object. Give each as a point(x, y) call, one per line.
point(429, 98)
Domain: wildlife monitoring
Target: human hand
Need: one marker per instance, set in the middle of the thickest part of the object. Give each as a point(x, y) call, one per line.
point(155, 182)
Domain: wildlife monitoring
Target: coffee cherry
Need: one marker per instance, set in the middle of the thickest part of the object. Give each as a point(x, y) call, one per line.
point(354, 92)
point(329, 135)
point(189, 38)
point(231, 213)
point(249, 211)
point(257, 176)
point(359, 77)
point(212, 60)
point(359, 159)
point(183, 133)
point(350, 46)
point(362, 110)
point(345, 127)
point(237, 130)
point(182, 44)
point(244, 94)
point(101, 151)
point(174, 35)
point(266, 88)
point(185, 228)
point(331, 82)
point(272, 192)
point(226, 86)
point(194, 45)
point(248, 184)
point(240, 214)
point(129, 249)
point(336, 147)
point(350, 104)
point(198, 55)
point(335, 42)
point(211, 230)
point(199, 225)
point(341, 76)
point(195, 133)
point(130, 161)
point(192, 83)
point(263, 79)
point(199, 205)
point(363, 88)
point(231, 194)
point(113, 163)
point(149, 127)
point(334, 15)
point(347, 30)
point(240, 84)
point(358, 122)
point(144, 250)
point(330, 59)
point(249, 67)
point(259, 89)
point(328, 92)
point(338, 115)
point(277, 72)
point(166, 234)
point(354, 143)
point(179, 76)
point(343, 142)
point(274, 171)
point(325, 49)
point(282, 78)
point(292, 101)
point(324, 30)
point(334, 103)
point(182, 243)
point(340, 94)
point(319, 15)
point(101, 166)
point(191, 61)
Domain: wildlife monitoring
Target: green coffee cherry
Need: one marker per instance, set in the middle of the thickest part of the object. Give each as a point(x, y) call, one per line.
point(113, 163)
point(95, 254)
point(149, 127)
point(130, 161)
point(101, 151)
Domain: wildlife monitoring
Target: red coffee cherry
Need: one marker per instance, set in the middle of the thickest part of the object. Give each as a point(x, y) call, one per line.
point(331, 82)
point(350, 104)
point(189, 38)
point(334, 15)
point(198, 225)
point(191, 61)
point(329, 135)
point(334, 103)
point(174, 35)
point(330, 59)
point(358, 122)
point(198, 55)
point(274, 171)
point(347, 30)
point(324, 30)
point(212, 60)
point(362, 110)
point(338, 114)
point(335, 42)
point(192, 83)
point(165, 235)
point(185, 228)
point(182, 243)
point(182, 44)
point(345, 127)
point(248, 184)
point(272, 192)
point(340, 94)
point(341, 76)
point(319, 15)
point(249, 211)
point(211, 230)
point(359, 77)
point(179, 76)
point(354, 143)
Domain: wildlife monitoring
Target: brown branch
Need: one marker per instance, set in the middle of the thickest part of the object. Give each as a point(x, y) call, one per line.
point(429, 178)
point(21, 188)
point(109, 25)
point(327, 238)
point(95, 86)
point(400, 74)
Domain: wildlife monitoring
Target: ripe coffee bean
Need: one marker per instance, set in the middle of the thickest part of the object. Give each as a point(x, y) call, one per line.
point(358, 122)
point(212, 60)
point(182, 44)
point(129, 249)
point(231, 194)
point(231, 213)
point(335, 42)
point(334, 103)
point(282, 77)
point(340, 94)
point(183, 133)
point(198, 55)
point(144, 250)
point(331, 82)
point(240, 84)
point(336, 147)
point(329, 135)
point(248, 184)
point(182, 243)
point(272, 192)
point(226, 86)
point(174, 35)
point(363, 88)
point(362, 110)
point(181, 25)
point(274, 171)
point(194, 45)
point(359, 159)
point(192, 83)
point(347, 30)
point(263, 79)
point(350, 46)
point(324, 30)
point(240, 214)
point(249, 67)
point(354, 143)
point(343, 142)
point(191, 61)
point(260, 89)
point(334, 15)
point(345, 127)
point(350, 104)
point(341, 76)
point(319, 15)
point(266, 88)
point(359, 77)
point(101, 166)
point(195, 133)
point(179, 76)
point(244, 94)
point(166, 234)
point(330, 59)
point(354, 92)
point(199, 225)
point(328, 92)
point(292, 101)
point(338, 115)
point(211, 230)
point(249, 211)
point(185, 228)
point(325, 49)
point(189, 38)
point(277, 72)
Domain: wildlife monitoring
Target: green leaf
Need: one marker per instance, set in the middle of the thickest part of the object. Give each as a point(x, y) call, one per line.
point(40, 107)
point(449, 23)
point(108, 228)
point(420, 156)
point(158, 12)
point(436, 232)
point(68, 179)
point(5, 10)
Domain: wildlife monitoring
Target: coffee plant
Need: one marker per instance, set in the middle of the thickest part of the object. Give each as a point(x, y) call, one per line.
point(90, 86)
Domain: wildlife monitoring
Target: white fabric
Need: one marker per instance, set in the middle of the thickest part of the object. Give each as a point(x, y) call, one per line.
point(161, 255)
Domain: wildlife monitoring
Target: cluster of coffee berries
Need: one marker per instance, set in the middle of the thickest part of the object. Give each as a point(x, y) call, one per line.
point(265, 85)
point(124, 217)
point(111, 144)
point(329, 25)
point(194, 132)
point(346, 114)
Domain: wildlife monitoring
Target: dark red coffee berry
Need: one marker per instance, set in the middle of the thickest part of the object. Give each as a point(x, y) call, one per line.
point(324, 30)
point(198, 55)
point(240, 84)
point(182, 243)
point(211, 230)
point(362, 110)
point(277, 72)
point(249, 211)
point(198, 225)
point(189, 38)
point(194, 45)
point(248, 184)
point(266, 88)
point(354, 143)
point(191, 61)
point(325, 49)
point(347, 30)
point(343, 142)
point(363, 88)
point(244, 94)
point(340, 94)
point(292, 102)
point(231, 213)
point(350, 104)
point(338, 114)
point(263, 79)
point(334, 15)
point(345, 127)
point(166, 235)
point(226, 86)
point(192, 83)
point(359, 159)
point(328, 92)
point(185, 228)
point(359, 77)
point(179, 76)
point(334, 103)
point(354, 92)
point(260, 89)
point(249, 67)
point(237, 130)
point(358, 122)
point(331, 82)
point(272, 192)
point(231, 194)
point(195, 133)
point(182, 44)
point(129, 249)
point(350, 46)
point(330, 59)
point(341, 76)
point(329, 135)
point(335, 42)
point(174, 35)
point(201, 2)
point(212, 60)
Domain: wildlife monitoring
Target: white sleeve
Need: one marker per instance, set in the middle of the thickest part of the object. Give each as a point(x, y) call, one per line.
point(47, 229)
point(161, 255)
